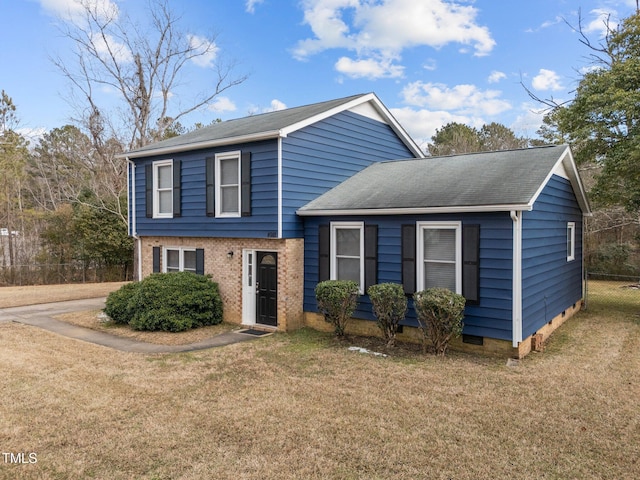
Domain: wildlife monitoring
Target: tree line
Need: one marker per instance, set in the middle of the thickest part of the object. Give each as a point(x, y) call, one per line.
point(63, 200)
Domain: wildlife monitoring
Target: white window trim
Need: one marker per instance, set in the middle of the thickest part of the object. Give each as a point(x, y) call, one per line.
point(235, 155)
point(156, 189)
point(181, 257)
point(421, 227)
point(571, 241)
point(334, 267)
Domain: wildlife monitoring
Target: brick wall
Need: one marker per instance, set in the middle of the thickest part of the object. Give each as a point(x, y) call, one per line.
point(227, 272)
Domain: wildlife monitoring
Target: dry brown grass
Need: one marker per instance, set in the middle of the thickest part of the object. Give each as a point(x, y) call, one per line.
point(302, 406)
point(91, 319)
point(31, 295)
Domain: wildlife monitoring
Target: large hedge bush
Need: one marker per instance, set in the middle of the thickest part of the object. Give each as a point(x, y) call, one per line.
point(171, 302)
point(389, 305)
point(337, 300)
point(440, 313)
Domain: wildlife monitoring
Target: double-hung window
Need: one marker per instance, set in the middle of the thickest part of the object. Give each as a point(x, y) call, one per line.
point(439, 259)
point(347, 252)
point(179, 259)
point(571, 241)
point(228, 178)
point(163, 189)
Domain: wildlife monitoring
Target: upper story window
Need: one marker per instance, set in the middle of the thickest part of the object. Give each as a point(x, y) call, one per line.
point(347, 252)
point(571, 241)
point(227, 186)
point(439, 262)
point(163, 189)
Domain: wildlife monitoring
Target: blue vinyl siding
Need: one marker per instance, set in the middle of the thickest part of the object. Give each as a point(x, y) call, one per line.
point(491, 318)
point(550, 283)
point(320, 156)
point(194, 222)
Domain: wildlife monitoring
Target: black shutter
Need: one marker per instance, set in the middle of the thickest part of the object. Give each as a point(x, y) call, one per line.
point(471, 263)
point(409, 259)
point(210, 174)
point(245, 184)
point(177, 188)
point(370, 256)
point(148, 189)
point(324, 247)
point(156, 259)
point(200, 261)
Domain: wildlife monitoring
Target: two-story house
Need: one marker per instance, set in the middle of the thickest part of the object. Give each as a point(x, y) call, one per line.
point(271, 204)
point(222, 200)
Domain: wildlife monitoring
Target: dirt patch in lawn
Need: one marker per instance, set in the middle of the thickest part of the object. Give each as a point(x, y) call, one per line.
point(95, 321)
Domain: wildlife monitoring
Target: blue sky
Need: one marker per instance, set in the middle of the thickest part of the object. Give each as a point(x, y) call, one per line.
point(430, 61)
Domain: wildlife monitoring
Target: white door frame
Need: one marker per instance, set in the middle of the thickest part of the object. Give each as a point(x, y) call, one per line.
point(248, 286)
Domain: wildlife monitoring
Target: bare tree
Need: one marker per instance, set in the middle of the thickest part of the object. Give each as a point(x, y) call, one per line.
point(146, 66)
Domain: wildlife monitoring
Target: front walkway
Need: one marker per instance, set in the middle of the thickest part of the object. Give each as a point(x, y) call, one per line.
point(41, 316)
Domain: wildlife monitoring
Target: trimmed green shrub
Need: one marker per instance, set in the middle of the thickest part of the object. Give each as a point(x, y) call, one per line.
point(117, 304)
point(389, 306)
point(440, 313)
point(171, 302)
point(337, 300)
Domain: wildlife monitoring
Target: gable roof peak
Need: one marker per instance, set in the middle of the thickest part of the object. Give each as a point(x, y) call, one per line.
point(275, 124)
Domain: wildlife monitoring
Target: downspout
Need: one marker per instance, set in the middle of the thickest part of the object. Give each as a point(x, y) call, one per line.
point(131, 204)
point(280, 186)
point(516, 217)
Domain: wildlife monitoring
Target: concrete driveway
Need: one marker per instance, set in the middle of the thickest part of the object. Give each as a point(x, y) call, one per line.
point(41, 316)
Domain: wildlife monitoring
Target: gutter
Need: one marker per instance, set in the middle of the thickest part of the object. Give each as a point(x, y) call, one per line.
point(131, 205)
point(200, 145)
point(302, 212)
point(516, 290)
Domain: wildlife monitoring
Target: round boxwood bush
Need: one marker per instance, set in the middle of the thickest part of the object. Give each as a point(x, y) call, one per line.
point(171, 302)
point(337, 300)
point(117, 305)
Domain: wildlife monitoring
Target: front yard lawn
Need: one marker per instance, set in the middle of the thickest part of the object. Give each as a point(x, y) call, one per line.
point(303, 406)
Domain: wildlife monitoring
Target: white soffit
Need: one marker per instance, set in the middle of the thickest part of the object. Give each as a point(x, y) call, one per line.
point(368, 110)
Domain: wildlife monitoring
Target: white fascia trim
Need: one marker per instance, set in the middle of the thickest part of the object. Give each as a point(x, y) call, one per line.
point(567, 162)
point(201, 145)
point(279, 187)
point(516, 293)
point(377, 104)
point(415, 210)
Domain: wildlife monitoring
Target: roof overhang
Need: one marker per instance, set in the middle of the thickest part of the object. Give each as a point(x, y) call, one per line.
point(200, 145)
point(283, 132)
point(416, 210)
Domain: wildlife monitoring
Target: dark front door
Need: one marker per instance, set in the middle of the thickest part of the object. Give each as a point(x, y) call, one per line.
point(267, 304)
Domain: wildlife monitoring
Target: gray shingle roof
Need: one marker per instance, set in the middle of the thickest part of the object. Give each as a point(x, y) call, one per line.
point(251, 126)
point(500, 180)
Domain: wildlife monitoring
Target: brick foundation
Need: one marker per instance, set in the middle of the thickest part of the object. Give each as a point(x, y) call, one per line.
point(227, 271)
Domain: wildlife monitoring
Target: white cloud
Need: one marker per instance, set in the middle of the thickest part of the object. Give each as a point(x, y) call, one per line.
point(205, 49)
point(107, 46)
point(222, 104)
point(73, 10)
point(463, 99)
point(546, 80)
point(496, 76)
point(600, 19)
point(421, 124)
point(383, 29)
point(275, 106)
point(368, 68)
point(251, 5)
point(529, 121)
